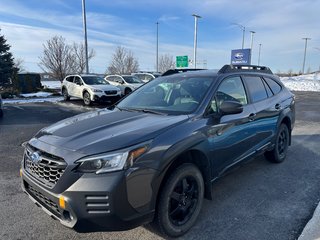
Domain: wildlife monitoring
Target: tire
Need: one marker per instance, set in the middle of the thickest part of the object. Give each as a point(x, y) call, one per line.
point(279, 153)
point(86, 99)
point(65, 94)
point(180, 201)
point(127, 91)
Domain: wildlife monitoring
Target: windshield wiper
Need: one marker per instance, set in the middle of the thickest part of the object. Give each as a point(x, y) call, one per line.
point(153, 112)
point(141, 110)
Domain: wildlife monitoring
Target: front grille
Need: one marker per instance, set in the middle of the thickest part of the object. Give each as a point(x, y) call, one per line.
point(111, 92)
point(46, 202)
point(48, 169)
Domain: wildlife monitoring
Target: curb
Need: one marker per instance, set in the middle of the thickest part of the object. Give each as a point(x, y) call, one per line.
point(312, 230)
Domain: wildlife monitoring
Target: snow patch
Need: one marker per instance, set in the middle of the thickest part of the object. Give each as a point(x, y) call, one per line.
point(309, 82)
point(37, 94)
point(32, 100)
point(51, 84)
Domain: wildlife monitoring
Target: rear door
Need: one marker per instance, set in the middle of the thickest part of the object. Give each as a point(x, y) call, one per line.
point(267, 109)
point(78, 86)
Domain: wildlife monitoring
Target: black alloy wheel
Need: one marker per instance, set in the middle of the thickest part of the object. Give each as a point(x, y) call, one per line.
point(279, 153)
point(180, 201)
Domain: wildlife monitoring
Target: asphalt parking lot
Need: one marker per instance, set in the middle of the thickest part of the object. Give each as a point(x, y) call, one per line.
point(259, 200)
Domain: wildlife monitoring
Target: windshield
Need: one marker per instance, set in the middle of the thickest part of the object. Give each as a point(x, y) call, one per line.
point(132, 79)
point(94, 80)
point(170, 95)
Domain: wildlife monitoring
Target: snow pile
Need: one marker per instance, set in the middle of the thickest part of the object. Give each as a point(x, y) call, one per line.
point(51, 84)
point(37, 94)
point(32, 100)
point(309, 82)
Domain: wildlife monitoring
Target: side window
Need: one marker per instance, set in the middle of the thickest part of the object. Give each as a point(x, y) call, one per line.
point(256, 88)
point(69, 79)
point(110, 78)
point(269, 92)
point(77, 80)
point(231, 89)
point(275, 87)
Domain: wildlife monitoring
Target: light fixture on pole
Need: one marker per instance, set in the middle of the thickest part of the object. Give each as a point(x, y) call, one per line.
point(157, 52)
point(85, 34)
point(259, 54)
point(243, 28)
point(251, 45)
point(195, 39)
point(305, 53)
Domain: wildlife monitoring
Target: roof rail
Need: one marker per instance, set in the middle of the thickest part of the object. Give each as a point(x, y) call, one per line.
point(174, 71)
point(248, 68)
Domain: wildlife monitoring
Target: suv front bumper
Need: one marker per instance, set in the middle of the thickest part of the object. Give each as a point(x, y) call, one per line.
point(94, 202)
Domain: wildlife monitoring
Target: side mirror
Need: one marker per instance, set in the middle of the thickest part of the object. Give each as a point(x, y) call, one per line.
point(231, 107)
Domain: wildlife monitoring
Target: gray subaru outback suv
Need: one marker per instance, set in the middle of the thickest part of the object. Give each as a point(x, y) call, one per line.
point(153, 157)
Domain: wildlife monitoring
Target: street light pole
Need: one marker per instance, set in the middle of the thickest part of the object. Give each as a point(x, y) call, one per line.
point(195, 39)
point(157, 54)
point(252, 33)
point(305, 53)
point(259, 54)
point(243, 28)
point(85, 34)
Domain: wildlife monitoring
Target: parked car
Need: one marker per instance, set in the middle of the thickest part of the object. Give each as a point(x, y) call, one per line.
point(146, 76)
point(154, 157)
point(90, 88)
point(1, 104)
point(126, 83)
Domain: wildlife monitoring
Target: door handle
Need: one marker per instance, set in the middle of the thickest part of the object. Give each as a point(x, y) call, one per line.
point(252, 116)
point(277, 106)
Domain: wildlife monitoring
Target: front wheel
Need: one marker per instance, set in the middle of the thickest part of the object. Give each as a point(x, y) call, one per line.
point(180, 201)
point(65, 94)
point(86, 99)
point(279, 153)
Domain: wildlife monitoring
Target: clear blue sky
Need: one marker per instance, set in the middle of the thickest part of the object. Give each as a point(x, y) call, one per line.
point(279, 27)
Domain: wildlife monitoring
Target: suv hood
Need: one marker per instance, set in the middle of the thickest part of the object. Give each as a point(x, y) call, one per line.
point(104, 130)
point(104, 87)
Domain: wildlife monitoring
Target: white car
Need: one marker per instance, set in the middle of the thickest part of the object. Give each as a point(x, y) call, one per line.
point(126, 83)
point(90, 88)
point(145, 76)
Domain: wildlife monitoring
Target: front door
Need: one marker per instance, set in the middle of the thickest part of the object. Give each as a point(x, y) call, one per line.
point(232, 136)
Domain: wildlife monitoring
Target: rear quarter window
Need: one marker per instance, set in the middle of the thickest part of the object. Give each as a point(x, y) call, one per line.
point(275, 87)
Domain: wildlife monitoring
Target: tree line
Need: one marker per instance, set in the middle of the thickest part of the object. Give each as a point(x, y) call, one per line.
point(60, 58)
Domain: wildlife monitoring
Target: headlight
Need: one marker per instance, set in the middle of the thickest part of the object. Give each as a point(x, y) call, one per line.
point(96, 90)
point(110, 162)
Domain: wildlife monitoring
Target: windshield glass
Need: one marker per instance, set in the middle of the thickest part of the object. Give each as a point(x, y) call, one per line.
point(94, 80)
point(132, 79)
point(170, 95)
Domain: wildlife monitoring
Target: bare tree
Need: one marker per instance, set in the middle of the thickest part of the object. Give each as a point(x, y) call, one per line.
point(79, 56)
point(19, 64)
point(123, 62)
point(60, 59)
point(166, 62)
point(57, 59)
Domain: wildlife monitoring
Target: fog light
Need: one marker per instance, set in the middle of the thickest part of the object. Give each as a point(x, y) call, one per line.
point(20, 172)
point(62, 202)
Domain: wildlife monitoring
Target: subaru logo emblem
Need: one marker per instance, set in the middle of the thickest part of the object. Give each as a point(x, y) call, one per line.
point(238, 56)
point(35, 157)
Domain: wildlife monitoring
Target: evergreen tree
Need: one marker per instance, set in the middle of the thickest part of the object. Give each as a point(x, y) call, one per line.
point(7, 69)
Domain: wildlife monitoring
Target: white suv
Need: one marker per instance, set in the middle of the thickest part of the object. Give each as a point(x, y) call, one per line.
point(126, 83)
point(90, 88)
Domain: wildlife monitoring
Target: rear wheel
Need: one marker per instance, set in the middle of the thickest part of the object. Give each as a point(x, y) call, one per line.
point(180, 201)
point(279, 153)
point(86, 99)
point(65, 94)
